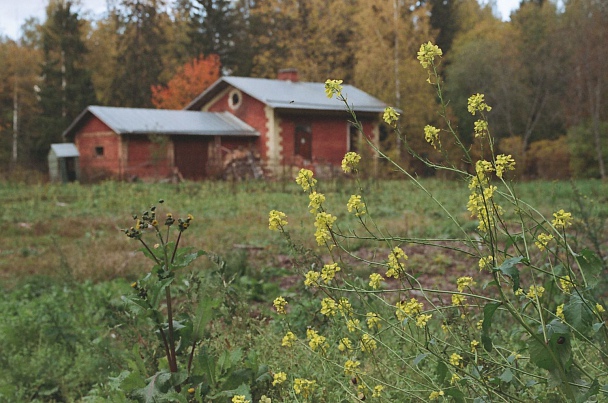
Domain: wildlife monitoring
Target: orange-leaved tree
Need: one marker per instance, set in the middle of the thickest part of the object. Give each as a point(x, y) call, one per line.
point(190, 80)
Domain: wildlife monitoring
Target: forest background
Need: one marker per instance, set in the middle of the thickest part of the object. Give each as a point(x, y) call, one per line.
point(543, 72)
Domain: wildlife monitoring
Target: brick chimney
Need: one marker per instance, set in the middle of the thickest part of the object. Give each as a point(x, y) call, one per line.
point(290, 74)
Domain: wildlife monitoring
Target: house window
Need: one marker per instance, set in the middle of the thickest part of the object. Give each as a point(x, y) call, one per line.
point(353, 138)
point(99, 151)
point(303, 141)
point(234, 99)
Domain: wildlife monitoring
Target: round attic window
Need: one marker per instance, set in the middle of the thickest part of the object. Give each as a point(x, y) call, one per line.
point(234, 99)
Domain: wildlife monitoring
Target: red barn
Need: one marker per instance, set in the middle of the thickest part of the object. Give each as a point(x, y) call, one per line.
point(284, 122)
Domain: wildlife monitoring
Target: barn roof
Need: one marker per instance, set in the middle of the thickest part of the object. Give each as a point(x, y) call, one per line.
point(65, 150)
point(161, 121)
point(285, 94)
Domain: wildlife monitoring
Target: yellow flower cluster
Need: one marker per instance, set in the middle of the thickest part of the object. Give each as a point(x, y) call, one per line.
point(599, 308)
point(431, 135)
point(562, 219)
point(305, 179)
point(345, 344)
point(559, 312)
point(279, 304)
point(316, 199)
point(476, 104)
point(542, 240)
point(352, 324)
point(458, 299)
point(351, 367)
point(455, 378)
point(373, 321)
point(408, 308)
point(464, 282)
point(374, 280)
point(329, 271)
point(316, 341)
point(333, 87)
point(323, 223)
point(566, 283)
point(480, 202)
point(427, 54)
point(368, 344)
point(328, 307)
point(312, 279)
point(356, 205)
point(345, 307)
point(474, 345)
point(276, 220)
point(350, 161)
point(390, 116)
point(304, 387)
point(395, 267)
point(422, 320)
point(481, 128)
point(289, 339)
point(535, 291)
point(436, 395)
point(504, 163)
point(486, 263)
point(377, 391)
point(240, 399)
point(279, 378)
point(455, 359)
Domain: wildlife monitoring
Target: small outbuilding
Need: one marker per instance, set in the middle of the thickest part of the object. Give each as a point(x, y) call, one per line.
point(63, 163)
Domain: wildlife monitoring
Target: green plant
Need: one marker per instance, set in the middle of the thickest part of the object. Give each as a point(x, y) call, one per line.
point(183, 368)
point(525, 322)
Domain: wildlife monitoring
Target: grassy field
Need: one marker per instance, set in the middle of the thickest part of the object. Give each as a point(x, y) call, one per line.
point(65, 262)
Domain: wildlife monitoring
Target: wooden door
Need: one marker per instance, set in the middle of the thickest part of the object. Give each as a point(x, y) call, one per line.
point(303, 141)
point(191, 154)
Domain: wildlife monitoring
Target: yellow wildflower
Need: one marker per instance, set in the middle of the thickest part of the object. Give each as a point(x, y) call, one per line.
point(481, 128)
point(289, 339)
point(422, 320)
point(427, 54)
point(323, 223)
point(316, 341)
point(345, 344)
point(240, 399)
point(352, 324)
point(276, 220)
point(455, 378)
point(406, 309)
point(304, 387)
point(474, 345)
point(356, 205)
point(458, 299)
point(373, 321)
point(329, 272)
point(279, 304)
point(305, 179)
point(566, 283)
point(436, 395)
point(562, 219)
point(344, 306)
point(265, 399)
point(504, 163)
point(377, 391)
point(535, 291)
point(350, 161)
point(476, 104)
point(396, 262)
point(351, 367)
point(464, 282)
point(542, 240)
point(333, 87)
point(599, 308)
point(279, 378)
point(312, 279)
point(374, 280)
point(455, 359)
point(368, 344)
point(559, 312)
point(390, 116)
point(328, 307)
point(431, 135)
point(486, 263)
point(316, 199)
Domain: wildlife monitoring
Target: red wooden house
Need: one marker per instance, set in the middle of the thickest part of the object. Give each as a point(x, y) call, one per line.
point(285, 122)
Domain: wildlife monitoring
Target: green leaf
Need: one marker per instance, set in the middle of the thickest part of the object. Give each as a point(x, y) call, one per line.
point(155, 389)
point(488, 314)
point(420, 358)
point(442, 371)
point(204, 314)
point(157, 291)
point(508, 268)
point(593, 390)
point(591, 265)
point(455, 393)
point(579, 314)
point(184, 257)
point(558, 345)
point(506, 376)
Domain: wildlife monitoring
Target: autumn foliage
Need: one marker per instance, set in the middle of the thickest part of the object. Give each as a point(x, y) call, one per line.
point(190, 80)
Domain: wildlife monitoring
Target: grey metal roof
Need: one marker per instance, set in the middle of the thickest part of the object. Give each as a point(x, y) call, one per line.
point(65, 150)
point(171, 122)
point(292, 95)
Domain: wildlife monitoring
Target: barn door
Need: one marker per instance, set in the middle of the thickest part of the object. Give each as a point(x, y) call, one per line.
point(303, 141)
point(191, 155)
